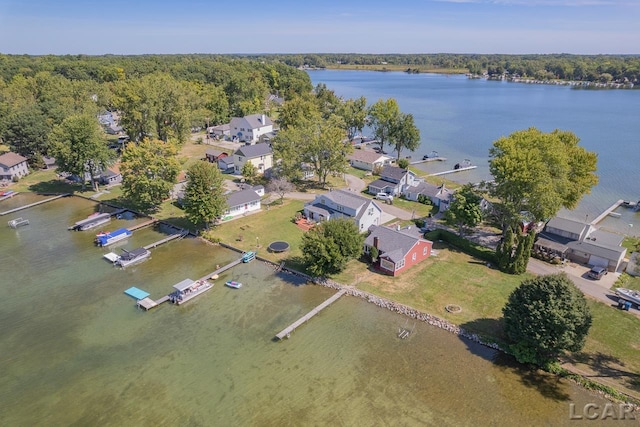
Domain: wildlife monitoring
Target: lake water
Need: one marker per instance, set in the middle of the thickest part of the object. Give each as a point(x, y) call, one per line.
point(76, 351)
point(461, 118)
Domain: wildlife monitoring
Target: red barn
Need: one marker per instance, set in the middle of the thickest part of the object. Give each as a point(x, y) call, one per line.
point(398, 249)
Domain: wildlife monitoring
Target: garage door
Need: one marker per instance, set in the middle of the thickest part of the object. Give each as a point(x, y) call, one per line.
point(598, 261)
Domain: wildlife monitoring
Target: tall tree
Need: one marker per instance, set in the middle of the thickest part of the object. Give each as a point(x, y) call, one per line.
point(328, 247)
point(354, 114)
point(383, 115)
point(149, 171)
point(325, 148)
point(404, 134)
point(79, 146)
point(204, 199)
point(464, 210)
point(26, 130)
point(544, 317)
point(539, 173)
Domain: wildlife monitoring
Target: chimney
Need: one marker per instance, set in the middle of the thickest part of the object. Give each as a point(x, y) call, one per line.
point(375, 242)
point(264, 120)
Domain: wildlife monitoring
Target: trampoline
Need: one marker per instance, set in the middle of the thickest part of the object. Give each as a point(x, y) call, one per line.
point(278, 246)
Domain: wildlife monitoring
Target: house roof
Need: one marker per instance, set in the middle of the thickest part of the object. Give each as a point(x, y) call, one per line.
point(381, 183)
point(11, 159)
point(215, 153)
point(393, 243)
point(430, 190)
point(607, 252)
point(255, 120)
point(568, 225)
point(242, 197)
point(368, 156)
point(253, 151)
point(346, 198)
point(223, 127)
point(393, 172)
point(604, 238)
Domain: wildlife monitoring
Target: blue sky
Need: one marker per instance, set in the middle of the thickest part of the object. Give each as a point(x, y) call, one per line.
point(300, 26)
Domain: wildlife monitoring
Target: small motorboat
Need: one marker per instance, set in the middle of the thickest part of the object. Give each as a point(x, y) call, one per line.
point(233, 284)
point(629, 295)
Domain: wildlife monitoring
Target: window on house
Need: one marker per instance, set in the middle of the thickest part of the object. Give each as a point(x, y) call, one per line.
point(424, 251)
point(413, 257)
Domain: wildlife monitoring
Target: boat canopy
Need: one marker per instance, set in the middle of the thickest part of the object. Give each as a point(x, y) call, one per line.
point(184, 285)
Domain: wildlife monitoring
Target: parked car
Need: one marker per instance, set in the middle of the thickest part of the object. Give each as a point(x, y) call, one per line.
point(596, 273)
point(384, 196)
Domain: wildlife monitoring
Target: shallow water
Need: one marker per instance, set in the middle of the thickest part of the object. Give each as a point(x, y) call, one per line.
point(76, 350)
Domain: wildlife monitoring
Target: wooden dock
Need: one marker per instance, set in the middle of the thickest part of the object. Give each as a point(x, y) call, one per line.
point(221, 269)
point(143, 224)
point(147, 303)
point(287, 331)
point(453, 170)
point(30, 205)
point(607, 212)
point(165, 240)
point(430, 159)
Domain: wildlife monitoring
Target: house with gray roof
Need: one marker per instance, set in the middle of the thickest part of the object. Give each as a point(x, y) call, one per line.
point(260, 155)
point(368, 160)
point(250, 128)
point(393, 180)
point(243, 202)
point(398, 249)
point(344, 204)
point(13, 166)
point(439, 195)
point(582, 243)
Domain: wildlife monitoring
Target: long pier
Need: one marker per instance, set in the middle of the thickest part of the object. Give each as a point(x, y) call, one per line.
point(143, 224)
point(453, 170)
point(607, 212)
point(287, 331)
point(222, 269)
point(429, 159)
point(165, 240)
point(30, 205)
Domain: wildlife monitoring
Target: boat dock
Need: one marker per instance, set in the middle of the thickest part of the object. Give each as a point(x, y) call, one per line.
point(430, 159)
point(143, 224)
point(166, 239)
point(453, 170)
point(30, 205)
point(287, 331)
point(607, 212)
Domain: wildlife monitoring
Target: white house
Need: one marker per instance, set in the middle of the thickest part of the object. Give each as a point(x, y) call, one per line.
point(394, 180)
point(344, 204)
point(439, 195)
point(260, 155)
point(249, 128)
point(243, 201)
point(13, 165)
point(368, 160)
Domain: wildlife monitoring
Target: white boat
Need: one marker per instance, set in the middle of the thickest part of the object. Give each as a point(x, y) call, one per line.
point(110, 237)
point(234, 284)
point(629, 295)
point(132, 256)
point(18, 222)
point(189, 289)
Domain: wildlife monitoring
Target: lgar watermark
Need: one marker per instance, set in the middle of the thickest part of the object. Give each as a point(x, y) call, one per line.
point(608, 411)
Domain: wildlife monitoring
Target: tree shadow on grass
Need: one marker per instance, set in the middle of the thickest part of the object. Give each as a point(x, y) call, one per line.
point(491, 331)
point(606, 366)
point(55, 186)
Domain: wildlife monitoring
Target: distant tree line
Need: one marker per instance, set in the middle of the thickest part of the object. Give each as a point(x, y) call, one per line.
point(586, 68)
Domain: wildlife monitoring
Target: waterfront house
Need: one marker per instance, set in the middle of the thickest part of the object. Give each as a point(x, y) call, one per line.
point(13, 166)
point(250, 128)
point(368, 160)
point(398, 249)
point(582, 243)
point(243, 201)
point(260, 155)
point(344, 204)
point(439, 195)
point(393, 180)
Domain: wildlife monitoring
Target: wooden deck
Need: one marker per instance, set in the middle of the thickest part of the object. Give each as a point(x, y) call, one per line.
point(147, 303)
point(430, 159)
point(453, 170)
point(287, 331)
point(30, 205)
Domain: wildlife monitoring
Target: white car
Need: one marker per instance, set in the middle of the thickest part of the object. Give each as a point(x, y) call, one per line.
point(384, 196)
